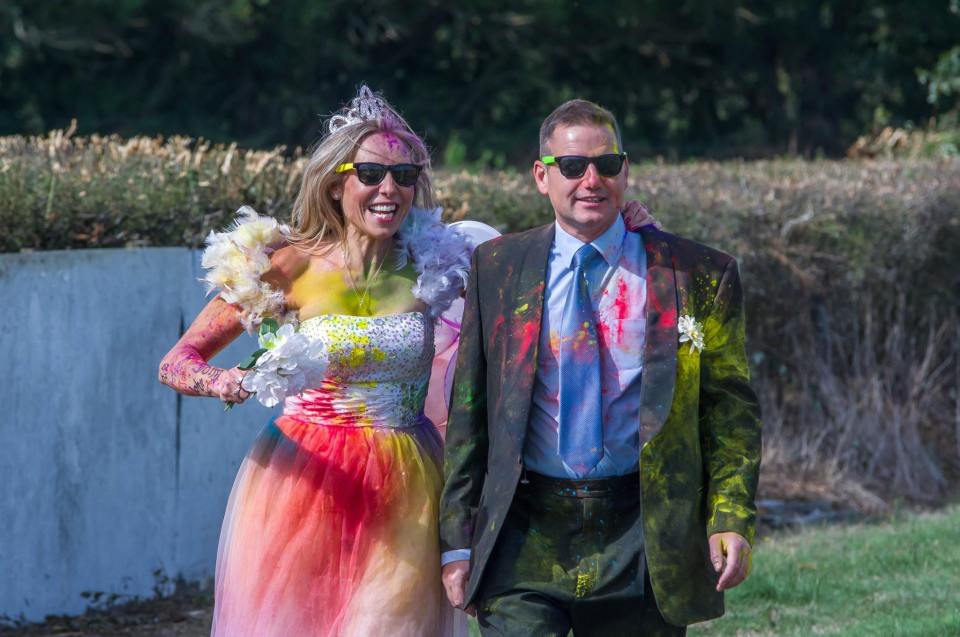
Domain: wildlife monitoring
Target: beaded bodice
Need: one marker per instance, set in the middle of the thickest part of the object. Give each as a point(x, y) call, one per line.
point(377, 370)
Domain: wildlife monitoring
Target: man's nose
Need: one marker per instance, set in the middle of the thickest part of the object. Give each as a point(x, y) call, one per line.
point(591, 177)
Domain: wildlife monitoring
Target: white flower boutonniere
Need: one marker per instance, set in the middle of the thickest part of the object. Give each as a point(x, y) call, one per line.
point(691, 332)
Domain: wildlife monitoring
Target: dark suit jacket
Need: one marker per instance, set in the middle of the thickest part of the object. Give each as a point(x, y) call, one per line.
point(699, 421)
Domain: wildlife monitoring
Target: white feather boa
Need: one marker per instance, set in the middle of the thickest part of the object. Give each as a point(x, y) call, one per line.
point(440, 254)
point(236, 258)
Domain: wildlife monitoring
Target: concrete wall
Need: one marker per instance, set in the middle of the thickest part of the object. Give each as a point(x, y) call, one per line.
point(109, 481)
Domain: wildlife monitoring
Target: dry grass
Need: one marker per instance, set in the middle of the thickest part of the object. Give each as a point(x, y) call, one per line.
point(60, 191)
point(874, 417)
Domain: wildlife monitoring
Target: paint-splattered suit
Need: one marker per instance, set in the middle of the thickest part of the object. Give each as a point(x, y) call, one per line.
point(699, 419)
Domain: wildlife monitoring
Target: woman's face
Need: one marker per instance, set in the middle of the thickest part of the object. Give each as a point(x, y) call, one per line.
point(376, 211)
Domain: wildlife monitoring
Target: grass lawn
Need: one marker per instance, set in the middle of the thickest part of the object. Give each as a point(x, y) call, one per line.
point(900, 578)
point(895, 579)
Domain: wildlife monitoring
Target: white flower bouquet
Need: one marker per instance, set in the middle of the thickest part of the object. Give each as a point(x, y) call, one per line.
point(287, 363)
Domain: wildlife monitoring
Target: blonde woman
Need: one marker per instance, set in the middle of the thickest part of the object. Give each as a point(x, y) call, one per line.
point(331, 527)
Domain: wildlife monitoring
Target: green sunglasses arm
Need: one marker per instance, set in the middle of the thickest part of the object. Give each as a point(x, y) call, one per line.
point(548, 159)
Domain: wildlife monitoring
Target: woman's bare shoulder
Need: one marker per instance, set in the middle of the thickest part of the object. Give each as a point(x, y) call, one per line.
point(289, 261)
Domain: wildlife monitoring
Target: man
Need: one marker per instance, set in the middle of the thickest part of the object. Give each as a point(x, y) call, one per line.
point(603, 446)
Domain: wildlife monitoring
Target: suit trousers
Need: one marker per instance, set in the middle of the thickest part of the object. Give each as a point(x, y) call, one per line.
point(570, 558)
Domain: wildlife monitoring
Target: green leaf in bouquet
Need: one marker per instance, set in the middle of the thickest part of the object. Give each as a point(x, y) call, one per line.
point(269, 325)
point(251, 361)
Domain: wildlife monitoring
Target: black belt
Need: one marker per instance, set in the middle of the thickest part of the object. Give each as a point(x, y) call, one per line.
point(582, 488)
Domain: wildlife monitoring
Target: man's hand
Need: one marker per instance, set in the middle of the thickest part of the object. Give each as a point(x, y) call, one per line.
point(732, 558)
point(455, 576)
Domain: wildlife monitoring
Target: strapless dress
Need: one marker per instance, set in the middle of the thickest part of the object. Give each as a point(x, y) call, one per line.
point(331, 526)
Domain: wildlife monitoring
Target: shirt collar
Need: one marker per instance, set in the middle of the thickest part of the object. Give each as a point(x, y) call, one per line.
point(609, 244)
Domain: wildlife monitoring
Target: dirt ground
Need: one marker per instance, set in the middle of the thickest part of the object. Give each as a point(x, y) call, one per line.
point(182, 615)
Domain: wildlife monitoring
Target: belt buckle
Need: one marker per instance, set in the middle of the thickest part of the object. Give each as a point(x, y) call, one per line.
point(585, 491)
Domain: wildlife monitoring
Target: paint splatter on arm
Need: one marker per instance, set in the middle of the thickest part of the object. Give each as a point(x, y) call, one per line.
point(185, 367)
point(729, 414)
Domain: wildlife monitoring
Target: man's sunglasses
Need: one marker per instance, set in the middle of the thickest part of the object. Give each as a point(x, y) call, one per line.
point(371, 174)
point(573, 166)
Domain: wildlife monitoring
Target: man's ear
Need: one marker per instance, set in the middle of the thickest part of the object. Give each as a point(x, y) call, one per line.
point(540, 176)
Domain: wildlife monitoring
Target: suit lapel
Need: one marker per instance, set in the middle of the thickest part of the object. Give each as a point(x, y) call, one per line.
point(660, 348)
point(519, 324)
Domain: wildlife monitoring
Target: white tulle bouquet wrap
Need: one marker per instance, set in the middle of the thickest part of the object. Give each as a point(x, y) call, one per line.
point(287, 363)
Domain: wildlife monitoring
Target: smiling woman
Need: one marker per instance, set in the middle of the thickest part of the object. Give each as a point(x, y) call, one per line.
point(331, 527)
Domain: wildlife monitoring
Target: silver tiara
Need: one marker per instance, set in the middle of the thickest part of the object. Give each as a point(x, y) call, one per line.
point(364, 107)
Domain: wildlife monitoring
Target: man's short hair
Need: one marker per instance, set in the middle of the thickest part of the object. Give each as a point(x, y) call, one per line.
point(577, 112)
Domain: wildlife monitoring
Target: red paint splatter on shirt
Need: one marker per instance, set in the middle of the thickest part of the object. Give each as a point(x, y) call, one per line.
point(621, 304)
point(621, 307)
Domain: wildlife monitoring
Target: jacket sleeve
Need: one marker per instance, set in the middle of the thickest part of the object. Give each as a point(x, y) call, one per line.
point(729, 414)
point(465, 450)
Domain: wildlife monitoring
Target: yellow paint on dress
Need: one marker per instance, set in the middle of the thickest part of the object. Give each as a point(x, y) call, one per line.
point(357, 357)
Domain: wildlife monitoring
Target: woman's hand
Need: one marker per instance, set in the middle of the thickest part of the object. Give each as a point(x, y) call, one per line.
point(636, 215)
point(228, 385)
point(185, 367)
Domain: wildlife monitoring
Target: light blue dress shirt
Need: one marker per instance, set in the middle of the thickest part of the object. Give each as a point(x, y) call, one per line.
point(618, 290)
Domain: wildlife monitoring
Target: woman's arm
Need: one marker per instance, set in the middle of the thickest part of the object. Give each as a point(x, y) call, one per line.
point(185, 367)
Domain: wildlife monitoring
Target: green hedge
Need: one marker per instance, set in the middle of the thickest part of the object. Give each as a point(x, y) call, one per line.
point(852, 274)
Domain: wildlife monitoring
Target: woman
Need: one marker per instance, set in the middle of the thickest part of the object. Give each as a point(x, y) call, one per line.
point(331, 527)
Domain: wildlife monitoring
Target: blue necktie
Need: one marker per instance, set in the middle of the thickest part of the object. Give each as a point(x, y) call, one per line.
point(581, 427)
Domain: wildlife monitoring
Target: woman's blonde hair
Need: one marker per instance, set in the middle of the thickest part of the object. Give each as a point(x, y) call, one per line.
point(317, 217)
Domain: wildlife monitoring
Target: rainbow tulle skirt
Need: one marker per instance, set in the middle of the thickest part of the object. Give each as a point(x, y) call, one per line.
point(331, 529)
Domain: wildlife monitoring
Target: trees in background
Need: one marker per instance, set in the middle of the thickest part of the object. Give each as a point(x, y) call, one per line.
point(686, 78)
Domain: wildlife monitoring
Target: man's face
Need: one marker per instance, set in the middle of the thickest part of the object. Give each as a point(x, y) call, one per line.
point(585, 206)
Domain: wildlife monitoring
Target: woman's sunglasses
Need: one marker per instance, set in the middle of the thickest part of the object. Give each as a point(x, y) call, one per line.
point(371, 174)
point(573, 166)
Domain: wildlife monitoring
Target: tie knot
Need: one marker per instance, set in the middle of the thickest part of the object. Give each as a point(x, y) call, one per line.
point(585, 256)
